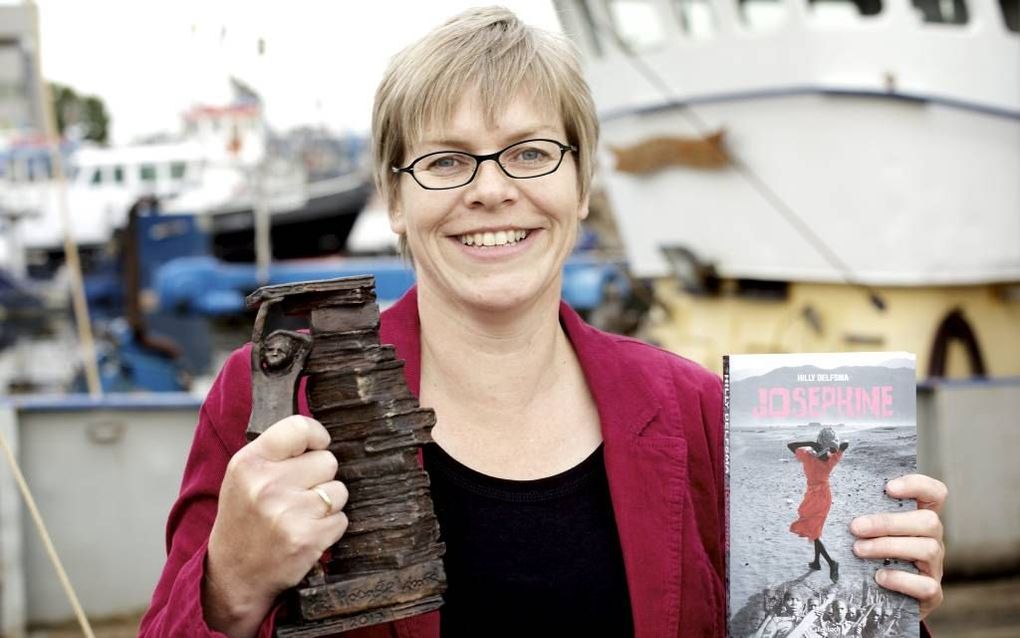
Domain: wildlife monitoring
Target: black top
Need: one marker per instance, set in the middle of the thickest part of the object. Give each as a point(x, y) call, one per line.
point(529, 558)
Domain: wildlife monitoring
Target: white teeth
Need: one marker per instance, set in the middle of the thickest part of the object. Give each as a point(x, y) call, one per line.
point(497, 238)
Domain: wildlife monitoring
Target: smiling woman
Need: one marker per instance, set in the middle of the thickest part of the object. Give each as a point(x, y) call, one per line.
point(577, 476)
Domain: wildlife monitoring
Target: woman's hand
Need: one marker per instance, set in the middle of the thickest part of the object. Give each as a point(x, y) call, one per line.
point(915, 536)
point(273, 522)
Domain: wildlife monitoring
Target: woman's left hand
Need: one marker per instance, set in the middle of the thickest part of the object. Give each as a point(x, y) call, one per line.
point(915, 536)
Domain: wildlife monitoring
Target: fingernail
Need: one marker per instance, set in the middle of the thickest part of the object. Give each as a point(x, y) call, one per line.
point(860, 526)
point(861, 546)
point(895, 485)
point(881, 576)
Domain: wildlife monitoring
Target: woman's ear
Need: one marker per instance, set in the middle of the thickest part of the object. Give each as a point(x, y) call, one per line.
point(396, 214)
point(582, 208)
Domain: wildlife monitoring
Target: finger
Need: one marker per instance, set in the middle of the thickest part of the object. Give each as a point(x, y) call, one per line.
point(326, 499)
point(926, 552)
point(925, 589)
point(332, 529)
point(311, 468)
point(930, 493)
point(915, 523)
point(291, 437)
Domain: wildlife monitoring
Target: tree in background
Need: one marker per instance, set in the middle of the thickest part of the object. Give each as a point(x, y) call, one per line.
point(85, 115)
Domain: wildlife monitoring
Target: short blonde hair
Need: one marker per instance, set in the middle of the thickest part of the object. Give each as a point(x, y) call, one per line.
point(489, 51)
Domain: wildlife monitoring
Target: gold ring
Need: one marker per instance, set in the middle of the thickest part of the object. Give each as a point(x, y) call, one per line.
point(325, 498)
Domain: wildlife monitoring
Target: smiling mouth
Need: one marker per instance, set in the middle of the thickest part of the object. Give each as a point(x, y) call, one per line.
point(497, 238)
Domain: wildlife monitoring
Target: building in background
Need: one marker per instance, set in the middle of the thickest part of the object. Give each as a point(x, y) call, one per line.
point(21, 111)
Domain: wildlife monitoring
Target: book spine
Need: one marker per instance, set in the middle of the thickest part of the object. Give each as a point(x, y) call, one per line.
point(726, 479)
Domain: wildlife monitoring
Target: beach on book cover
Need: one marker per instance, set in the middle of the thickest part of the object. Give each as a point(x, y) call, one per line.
point(811, 441)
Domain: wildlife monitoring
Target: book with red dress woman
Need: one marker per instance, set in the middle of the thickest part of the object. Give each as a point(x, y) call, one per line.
point(811, 441)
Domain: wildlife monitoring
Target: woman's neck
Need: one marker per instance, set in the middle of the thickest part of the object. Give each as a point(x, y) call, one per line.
point(508, 390)
point(491, 362)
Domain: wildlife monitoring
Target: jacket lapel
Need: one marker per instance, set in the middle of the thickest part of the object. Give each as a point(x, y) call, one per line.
point(647, 472)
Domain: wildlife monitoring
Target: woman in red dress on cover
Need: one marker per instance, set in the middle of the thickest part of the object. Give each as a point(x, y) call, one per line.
point(818, 458)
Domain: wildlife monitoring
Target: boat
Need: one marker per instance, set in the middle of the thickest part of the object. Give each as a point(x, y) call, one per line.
point(831, 176)
point(223, 167)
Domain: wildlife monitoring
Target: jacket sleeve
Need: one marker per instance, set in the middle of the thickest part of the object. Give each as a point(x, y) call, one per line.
point(176, 607)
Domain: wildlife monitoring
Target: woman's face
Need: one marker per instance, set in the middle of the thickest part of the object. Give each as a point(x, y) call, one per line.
point(442, 227)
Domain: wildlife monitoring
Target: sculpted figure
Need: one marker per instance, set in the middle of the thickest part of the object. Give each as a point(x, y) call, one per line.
point(276, 364)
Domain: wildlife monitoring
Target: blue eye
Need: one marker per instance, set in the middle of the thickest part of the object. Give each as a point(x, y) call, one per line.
point(532, 155)
point(445, 164)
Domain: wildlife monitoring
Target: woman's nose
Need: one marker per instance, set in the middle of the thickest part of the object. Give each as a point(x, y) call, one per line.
point(491, 186)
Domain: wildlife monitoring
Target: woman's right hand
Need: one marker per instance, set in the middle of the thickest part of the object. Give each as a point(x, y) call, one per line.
point(271, 525)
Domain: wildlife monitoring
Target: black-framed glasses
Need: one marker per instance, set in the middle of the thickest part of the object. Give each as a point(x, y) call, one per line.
point(442, 170)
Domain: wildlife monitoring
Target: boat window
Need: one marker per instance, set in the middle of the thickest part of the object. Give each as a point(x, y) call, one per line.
point(1011, 14)
point(147, 172)
point(637, 23)
point(838, 12)
point(696, 17)
point(97, 176)
point(942, 11)
point(39, 169)
point(762, 15)
point(177, 170)
point(118, 174)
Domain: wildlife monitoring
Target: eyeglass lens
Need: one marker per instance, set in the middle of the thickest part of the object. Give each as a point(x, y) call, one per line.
point(531, 158)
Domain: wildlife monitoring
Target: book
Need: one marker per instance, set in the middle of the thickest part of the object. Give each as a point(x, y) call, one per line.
point(811, 440)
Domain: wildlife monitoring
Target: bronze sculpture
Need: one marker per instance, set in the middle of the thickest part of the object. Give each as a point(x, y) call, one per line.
point(389, 564)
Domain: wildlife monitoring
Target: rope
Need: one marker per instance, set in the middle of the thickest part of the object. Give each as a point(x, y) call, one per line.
point(19, 478)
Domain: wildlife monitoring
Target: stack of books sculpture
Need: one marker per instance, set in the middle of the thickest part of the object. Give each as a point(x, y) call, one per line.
point(388, 565)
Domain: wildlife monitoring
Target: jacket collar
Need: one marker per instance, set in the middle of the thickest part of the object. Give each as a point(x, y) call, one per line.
point(402, 329)
point(595, 350)
point(646, 477)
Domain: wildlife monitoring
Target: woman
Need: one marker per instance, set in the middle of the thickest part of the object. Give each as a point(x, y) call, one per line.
point(591, 463)
point(819, 458)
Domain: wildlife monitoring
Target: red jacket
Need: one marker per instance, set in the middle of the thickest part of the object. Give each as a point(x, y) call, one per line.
point(662, 429)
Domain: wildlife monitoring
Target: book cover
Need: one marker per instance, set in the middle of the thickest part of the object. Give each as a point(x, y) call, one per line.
point(811, 440)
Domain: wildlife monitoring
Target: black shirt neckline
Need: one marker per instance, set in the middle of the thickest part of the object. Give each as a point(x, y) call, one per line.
point(511, 490)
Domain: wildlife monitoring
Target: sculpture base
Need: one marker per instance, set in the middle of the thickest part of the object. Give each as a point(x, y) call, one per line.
point(373, 617)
